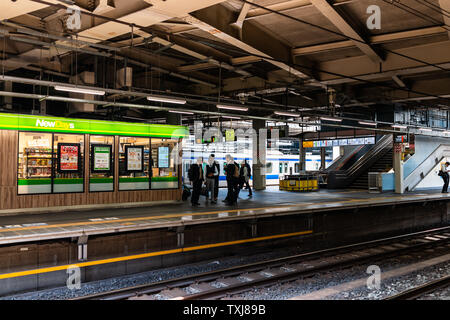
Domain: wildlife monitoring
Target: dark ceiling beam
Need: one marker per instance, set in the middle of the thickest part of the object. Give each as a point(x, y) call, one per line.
point(331, 14)
point(445, 8)
point(376, 39)
point(360, 66)
point(254, 40)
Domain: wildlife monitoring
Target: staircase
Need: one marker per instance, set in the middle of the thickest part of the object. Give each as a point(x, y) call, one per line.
point(384, 164)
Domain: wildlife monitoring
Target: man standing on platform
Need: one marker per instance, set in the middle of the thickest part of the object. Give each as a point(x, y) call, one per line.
point(197, 177)
point(216, 178)
point(232, 174)
point(445, 176)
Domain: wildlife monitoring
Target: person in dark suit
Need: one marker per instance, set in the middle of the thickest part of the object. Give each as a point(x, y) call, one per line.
point(198, 177)
point(216, 178)
point(445, 176)
point(245, 174)
point(232, 180)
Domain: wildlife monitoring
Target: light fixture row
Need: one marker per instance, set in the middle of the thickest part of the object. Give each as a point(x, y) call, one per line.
point(221, 106)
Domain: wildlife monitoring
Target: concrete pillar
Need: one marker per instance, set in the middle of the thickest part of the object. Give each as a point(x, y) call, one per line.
point(398, 168)
point(322, 159)
point(302, 157)
point(259, 155)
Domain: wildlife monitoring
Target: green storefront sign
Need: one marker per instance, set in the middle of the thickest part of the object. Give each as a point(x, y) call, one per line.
point(66, 125)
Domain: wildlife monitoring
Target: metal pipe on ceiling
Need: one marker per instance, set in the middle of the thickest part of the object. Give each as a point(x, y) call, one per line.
point(157, 108)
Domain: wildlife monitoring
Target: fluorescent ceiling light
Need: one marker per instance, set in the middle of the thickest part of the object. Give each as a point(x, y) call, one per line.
point(367, 123)
point(168, 100)
point(221, 106)
point(400, 126)
point(80, 90)
point(231, 117)
point(181, 112)
point(331, 119)
point(288, 114)
point(426, 129)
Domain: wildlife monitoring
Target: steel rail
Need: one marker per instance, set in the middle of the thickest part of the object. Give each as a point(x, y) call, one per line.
point(416, 292)
point(156, 287)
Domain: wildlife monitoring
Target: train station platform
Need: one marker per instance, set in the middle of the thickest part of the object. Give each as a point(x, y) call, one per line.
point(66, 223)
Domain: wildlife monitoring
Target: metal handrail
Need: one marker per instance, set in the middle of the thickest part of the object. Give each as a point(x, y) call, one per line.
point(345, 177)
point(384, 143)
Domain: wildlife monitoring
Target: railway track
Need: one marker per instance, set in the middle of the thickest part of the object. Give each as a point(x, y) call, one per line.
point(225, 282)
point(419, 291)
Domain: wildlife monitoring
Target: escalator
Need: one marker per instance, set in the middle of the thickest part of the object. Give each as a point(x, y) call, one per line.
point(384, 164)
point(377, 159)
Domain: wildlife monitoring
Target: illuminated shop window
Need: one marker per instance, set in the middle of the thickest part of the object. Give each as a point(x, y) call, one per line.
point(164, 163)
point(134, 163)
point(101, 165)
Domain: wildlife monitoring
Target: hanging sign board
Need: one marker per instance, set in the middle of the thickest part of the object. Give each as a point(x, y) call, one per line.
point(400, 138)
point(101, 158)
point(229, 135)
point(134, 158)
point(68, 157)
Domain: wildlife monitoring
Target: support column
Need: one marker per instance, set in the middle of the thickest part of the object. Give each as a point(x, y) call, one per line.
point(259, 155)
point(322, 159)
point(398, 168)
point(302, 157)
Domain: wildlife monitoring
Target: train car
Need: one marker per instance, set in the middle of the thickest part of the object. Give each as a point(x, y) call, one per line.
point(277, 163)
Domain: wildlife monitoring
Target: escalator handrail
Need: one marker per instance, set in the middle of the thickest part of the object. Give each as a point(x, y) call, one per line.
point(382, 146)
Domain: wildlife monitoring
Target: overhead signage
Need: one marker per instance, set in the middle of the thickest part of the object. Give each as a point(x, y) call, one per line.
point(68, 157)
point(163, 157)
point(134, 158)
point(101, 158)
point(339, 142)
point(400, 138)
point(229, 135)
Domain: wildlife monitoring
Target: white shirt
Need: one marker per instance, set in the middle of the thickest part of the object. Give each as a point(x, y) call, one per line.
point(444, 168)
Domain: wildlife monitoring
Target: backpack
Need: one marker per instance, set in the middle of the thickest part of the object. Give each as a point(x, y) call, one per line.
point(236, 171)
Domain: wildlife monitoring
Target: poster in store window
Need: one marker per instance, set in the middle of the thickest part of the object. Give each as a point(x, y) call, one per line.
point(163, 157)
point(134, 158)
point(101, 158)
point(69, 157)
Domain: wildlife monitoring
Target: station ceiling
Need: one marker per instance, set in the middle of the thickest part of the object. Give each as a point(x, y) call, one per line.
point(268, 54)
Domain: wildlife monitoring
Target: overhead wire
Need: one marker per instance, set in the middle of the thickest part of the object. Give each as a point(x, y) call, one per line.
point(307, 67)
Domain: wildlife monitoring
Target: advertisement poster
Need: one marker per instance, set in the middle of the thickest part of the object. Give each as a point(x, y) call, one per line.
point(69, 157)
point(101, 158)
point(163, 157)
point(134, 158)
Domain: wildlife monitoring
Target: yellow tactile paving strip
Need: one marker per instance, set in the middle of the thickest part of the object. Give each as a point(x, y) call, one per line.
point(128, 221)
point(148, 255)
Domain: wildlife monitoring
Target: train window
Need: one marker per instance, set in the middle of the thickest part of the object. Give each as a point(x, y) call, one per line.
point(281, 167)
point(297, 168)
point(269, 167)
point(285, 167)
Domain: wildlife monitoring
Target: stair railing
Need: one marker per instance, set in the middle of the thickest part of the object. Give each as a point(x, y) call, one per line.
point(343, 178)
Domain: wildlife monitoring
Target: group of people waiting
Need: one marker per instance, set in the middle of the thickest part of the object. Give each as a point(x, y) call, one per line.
point(237, 177)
